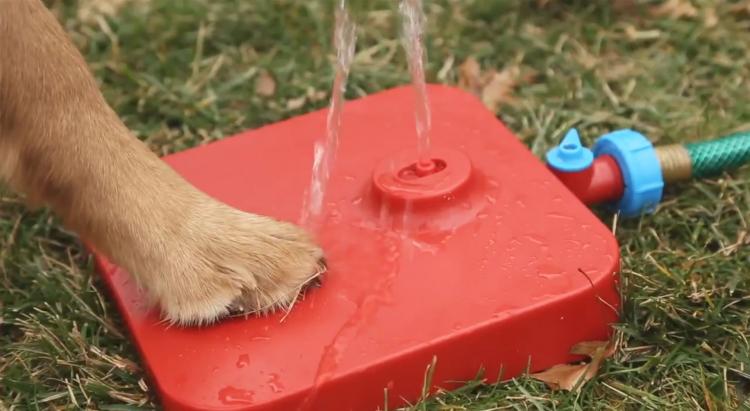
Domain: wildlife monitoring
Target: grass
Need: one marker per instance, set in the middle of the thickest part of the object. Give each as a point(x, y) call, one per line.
point(184, 74)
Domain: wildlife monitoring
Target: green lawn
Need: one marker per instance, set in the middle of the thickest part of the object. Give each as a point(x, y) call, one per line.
point(185, 74)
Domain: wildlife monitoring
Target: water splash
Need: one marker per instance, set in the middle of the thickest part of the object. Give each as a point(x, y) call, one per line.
point(413, 22)
point(326, 148)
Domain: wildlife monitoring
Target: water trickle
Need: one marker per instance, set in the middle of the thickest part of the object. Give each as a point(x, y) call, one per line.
point(413, 19)
point(333, 353)
point(325, 149)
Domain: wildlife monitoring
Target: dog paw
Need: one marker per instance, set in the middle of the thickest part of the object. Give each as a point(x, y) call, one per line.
point(224, 262)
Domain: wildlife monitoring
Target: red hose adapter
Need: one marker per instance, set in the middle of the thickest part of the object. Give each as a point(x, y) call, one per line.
point(592, 180)
point(600, 183)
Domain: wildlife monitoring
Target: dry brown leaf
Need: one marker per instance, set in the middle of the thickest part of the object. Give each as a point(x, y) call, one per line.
point(622, 6)
point(564, 377)
point(571, 377)
point(533, 30)
point(316, 95)
point(499, 88)
point(492, 87)
point(470, 76)
point(265, 85)
point(586, 59)
point(675, 9)
point(617, 70)
point(90, 10)
point(710, 19)
point(593, 348)
point(742, 7)
point(295, 103)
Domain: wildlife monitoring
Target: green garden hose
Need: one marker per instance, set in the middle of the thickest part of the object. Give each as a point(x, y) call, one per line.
point(704, 159)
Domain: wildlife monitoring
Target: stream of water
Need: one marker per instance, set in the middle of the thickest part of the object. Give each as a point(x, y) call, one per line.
point(412, 36)
point(325, 155)
point(325, 149)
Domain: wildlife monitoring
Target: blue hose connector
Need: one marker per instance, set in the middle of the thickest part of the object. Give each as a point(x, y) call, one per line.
point(640, 167)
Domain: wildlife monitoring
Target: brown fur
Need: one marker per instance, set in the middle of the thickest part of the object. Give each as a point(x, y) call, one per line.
point(63, 146)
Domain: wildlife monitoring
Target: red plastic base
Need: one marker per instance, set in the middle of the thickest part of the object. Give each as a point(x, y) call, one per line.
point(481, 268)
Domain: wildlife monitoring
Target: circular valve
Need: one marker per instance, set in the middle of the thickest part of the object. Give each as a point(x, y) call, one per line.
point(401, 178)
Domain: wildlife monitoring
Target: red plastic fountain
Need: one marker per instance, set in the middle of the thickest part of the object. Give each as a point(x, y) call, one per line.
point(480, 258)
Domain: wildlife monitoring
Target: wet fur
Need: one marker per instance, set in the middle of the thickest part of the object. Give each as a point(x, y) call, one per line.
point(62, 146)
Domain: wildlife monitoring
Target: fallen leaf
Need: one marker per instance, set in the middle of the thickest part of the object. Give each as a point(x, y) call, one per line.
point(586, 59)
point(90, 10)
point(594, 348)
point(617, 69)
point(675, 9)
point(470, 76)
point(571, 377)
point(492, 87)
point(295, 103)
point(499, 87)
point(315, 95)
point(742, 7)
point(533, 30)
point(709, 18)
point(623, 6)
point(265, 85)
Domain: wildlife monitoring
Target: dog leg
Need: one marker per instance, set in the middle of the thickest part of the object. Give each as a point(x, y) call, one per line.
point(62, 145)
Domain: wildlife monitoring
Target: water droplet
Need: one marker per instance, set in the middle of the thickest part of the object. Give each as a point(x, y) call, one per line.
point(559, 216)
point(357, 201)
point(243, 360)
point(534, 239)
point(231, 395)
point(393, 256)
point(274, 382)
point(482, 216)
point(490, 199)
